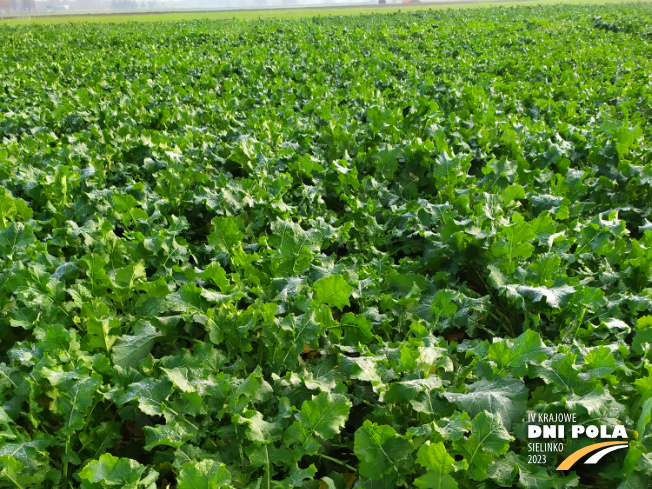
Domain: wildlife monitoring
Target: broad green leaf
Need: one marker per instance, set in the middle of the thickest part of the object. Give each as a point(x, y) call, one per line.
point(189, 299)
point(258, 430)
point(455, 427)
point(438, 464)
point(381, 450)
point(560, 370)
point(102, 333)
point(515, 244)
point(505, 398)
point(225, 233)
point(635, 481)
point(206, 474)
point(298, 476)
point(357, 329)
point(101, 438)
point(544, 269)
point(25, 452)
point(323, 416)
point(151, 395)
point(556, 297)
point(217, 275)
point(645, 417)
point(290, 337)
point(109, 471)
point(129, 276)
point(600, 361)
point(128, 350)
point(443, 305)
point(515, 356)
point(362, 368)
point(172, 434)
point(643, 335)
point(73, 400)
point(333, 291)
point(15, 238)
point(488, 439)
point(530, 476)
point(11, 472)
point(593, 401)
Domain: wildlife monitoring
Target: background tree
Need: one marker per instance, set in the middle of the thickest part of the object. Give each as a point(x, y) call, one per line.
point(6, 6)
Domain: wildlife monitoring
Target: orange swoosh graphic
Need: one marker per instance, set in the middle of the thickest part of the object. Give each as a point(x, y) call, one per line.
point(575, 456)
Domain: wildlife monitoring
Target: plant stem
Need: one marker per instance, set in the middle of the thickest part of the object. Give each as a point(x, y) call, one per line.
point(339, 462)
point(65, 464)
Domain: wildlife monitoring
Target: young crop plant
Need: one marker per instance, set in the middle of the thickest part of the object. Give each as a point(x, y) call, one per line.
point(409, 249)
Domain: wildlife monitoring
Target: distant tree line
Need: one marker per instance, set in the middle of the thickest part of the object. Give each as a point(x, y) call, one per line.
point(7, 6)
point(124, 5)
point(11, 6)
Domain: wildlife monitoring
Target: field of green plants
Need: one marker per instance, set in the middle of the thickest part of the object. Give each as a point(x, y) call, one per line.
point(325, 253)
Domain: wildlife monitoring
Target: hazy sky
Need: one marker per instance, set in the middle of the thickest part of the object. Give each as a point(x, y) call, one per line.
point(58, 5)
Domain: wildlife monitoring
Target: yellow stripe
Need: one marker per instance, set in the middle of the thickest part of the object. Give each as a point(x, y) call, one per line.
point(574, 457)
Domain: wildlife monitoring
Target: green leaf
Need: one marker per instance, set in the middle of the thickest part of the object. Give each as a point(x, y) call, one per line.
point(593, 401)
point(643, 335)
point(109, 471)
point(600, 361)
point(323, 416)
point(635, 481)
point(513, 192)
point(560, 370)
point(129, 276)
point(258, 430)
point(74, 398)
point(299, 476)
point(290, 238)
point(25, 452)
point(150, 393)
point(447, 169)
point(357, 329)
point(516, 242)
point(439, 463)
point(488, 439)
point(333, 291)
point(443, 304)
point(15, 238)
point(515, 356)
point(7, 208)
point(645, 417)
point(530, 476)
point(129, 350)
point(101, 438)
point(102, 333)
point(206, 474)
point(544, 269)
point(172, 434)
point(556, 297)
point(217, 275)
point(380, 450)
point(225, 233)
point(11, 472)
point(504, 397)
point(362, 368)
point(189, 298)
point(455, 427)
point(127, 208)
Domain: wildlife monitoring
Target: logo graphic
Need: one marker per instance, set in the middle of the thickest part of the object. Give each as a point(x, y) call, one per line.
point(547, 434)
point(601, 448)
